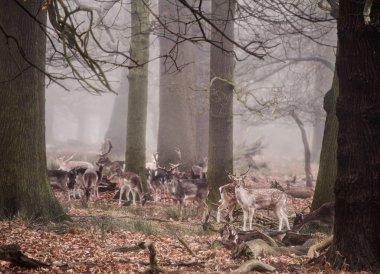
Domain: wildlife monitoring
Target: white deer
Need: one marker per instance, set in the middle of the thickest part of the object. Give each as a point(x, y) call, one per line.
point(67, 164)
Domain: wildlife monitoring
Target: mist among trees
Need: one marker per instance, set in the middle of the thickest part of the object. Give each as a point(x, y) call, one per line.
point(211, 101)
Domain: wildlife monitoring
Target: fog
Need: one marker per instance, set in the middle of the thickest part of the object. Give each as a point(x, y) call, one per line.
point(81, 120)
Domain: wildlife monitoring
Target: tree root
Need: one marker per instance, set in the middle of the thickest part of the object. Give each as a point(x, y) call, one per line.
point(12, 253)
point(315, 249)
point(254, 265)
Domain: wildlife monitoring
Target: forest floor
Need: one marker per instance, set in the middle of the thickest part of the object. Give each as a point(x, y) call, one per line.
point(103, 238)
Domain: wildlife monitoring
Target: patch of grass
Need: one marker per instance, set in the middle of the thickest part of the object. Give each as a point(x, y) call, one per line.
point(144, 227)
point(172, 213)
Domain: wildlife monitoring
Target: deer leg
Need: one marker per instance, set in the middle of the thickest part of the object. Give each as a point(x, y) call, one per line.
point(219, 211)
point(133, 197)
point(286, 219)
point(122, 189)
point(251, 212)
point(231, 212)
point(245, 217)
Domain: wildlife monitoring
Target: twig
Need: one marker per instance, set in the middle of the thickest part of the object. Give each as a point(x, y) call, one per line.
point(184, 244)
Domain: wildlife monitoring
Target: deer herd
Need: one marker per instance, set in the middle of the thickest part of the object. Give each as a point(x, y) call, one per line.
point(82, 179)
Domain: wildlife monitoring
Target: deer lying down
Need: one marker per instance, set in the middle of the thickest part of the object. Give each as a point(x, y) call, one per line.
point(67, 165)
point(323, 216)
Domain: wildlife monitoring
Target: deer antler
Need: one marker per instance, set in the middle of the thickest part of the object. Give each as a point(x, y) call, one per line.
point(230, 175)
point(109, 148)
point(178, 151)
point(69, 158)
point(245, 173)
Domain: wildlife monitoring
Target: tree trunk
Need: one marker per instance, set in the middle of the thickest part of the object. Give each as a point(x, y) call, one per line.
point(176, 119)
point(324, 188)
point(316, 145)
point(201, 68)
point(357, 188)
point(309, 176)
point(220, 153)
point(24, 189)
point(138, 90)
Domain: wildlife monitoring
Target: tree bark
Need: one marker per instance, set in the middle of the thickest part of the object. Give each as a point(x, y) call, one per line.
point(24, 189)
point(357, 188)
point(176, 118)
point(138, 90)
point(324, 188)
point(222, 65)
point(316, 145)
point(201, 68)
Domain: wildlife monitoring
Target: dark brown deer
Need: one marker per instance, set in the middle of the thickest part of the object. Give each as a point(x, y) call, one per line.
point(189, 189)
point(324, 216)
point(90, 183)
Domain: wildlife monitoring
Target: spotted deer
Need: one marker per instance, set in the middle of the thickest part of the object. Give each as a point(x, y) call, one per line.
point(252, 199)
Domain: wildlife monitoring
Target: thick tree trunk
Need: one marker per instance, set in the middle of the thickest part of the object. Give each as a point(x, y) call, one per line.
point(306, 148)
point(357, 188)
point(138, 90)
point(324, 188)
point(24, 189)
point(201, 68)
point(220, 153)
point(176, 119)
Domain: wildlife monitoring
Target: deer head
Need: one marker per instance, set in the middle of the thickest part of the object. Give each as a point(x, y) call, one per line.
point(103, 158)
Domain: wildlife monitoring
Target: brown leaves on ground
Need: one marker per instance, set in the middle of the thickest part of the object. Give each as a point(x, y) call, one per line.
point(92, 243)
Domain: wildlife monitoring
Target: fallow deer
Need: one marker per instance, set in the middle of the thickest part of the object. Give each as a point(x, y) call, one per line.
point(251, 199)
point(90, 183)
point(228, 201)
point(188, 189)
point(67, 164)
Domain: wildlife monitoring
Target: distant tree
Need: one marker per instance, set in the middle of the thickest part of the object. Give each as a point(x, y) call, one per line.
point(176, 101)
point(24, 189)
point(117, 127)
point(220, 151)
point(356, 243)
point(138, 90)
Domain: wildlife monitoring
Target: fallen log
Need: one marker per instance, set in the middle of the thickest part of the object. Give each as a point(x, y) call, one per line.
point(12, 253)
point(246, 236)
point(292, 238)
